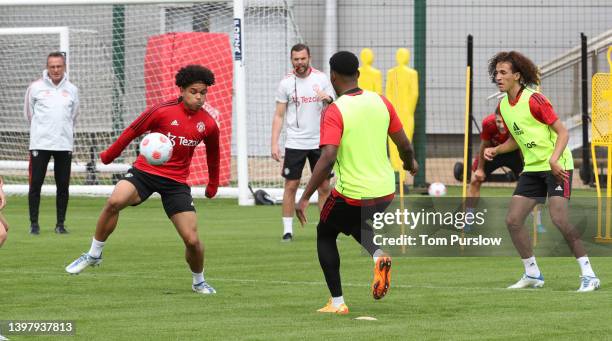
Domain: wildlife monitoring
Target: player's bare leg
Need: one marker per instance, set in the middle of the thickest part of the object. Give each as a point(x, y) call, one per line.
point(3, 229)
point(474, 189)
point(186, 226)
point(520, 207)
point(473, 194)
point(559, 207)
point(123, 195)
point(291, 187)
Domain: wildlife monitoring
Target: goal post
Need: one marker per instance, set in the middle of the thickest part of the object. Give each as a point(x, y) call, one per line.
point(61, 31)
point(111, 97)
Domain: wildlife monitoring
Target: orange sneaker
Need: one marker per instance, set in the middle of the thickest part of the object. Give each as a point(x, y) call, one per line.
point(382, 277)
point(329, 308)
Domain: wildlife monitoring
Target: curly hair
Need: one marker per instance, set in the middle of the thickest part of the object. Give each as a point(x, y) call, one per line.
point(191, 74)
point(530, 74)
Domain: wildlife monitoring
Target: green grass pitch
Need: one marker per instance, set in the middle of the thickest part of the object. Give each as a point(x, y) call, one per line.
point(268, 290)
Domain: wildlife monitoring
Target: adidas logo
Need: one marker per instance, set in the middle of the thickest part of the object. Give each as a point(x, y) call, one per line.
point(516, 129)
point(559, 188)
point(174, 123)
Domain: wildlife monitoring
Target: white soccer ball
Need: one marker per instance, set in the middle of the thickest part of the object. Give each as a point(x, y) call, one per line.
point(436, 189)
point(156, 148)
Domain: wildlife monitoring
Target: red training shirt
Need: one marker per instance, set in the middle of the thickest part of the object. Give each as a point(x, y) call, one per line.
point(185, 128)
point(491, 133)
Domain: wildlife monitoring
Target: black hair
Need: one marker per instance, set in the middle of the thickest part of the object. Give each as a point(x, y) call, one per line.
point(57, 54)
point(191, 74)
point(299, 47)
point(344, 63)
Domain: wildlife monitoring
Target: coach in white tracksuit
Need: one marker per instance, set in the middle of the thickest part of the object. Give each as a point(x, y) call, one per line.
point(303, 94)
point(51, 107)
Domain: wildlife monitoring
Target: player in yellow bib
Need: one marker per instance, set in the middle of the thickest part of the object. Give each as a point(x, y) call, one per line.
point(542, 138)
point(354, 132)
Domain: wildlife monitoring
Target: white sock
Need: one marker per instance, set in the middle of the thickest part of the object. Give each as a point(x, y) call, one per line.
point(288, 225)
point(337, 301)
point(198, 277)
point(531, 267)
point(539, 216)
point(96, 248)
point(377, 254)
point(585, 266)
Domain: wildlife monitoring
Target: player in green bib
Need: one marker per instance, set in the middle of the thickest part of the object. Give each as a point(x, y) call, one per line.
point(542, 138)
point(354, 131)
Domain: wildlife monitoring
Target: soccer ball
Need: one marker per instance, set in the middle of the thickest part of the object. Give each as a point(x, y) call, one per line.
point(436, 189)
point(156, 148)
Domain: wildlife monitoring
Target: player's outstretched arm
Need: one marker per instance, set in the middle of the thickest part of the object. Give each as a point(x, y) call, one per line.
point(406, 152)
point(509, 146)
point(319, 174)
point(277, 124)
point(212, 160)
point(141, 124)
point(479, 173)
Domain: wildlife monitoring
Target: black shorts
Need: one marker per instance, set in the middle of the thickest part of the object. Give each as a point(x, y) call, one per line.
point(176, 197)
point(295, 159)
point(338, 215)
point(512, 160)
point(543, 184)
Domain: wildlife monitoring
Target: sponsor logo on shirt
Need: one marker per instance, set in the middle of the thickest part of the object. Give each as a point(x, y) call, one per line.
point(305, 99)
point(174, 123)
point(182, 140)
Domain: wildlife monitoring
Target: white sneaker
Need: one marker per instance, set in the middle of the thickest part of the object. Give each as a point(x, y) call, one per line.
point(528, 282)
point(82, 262)
point(203, 288)
point(588, 283)
point(3, 338)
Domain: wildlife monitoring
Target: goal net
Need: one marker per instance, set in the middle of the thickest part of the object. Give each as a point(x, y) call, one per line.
point(123, 58)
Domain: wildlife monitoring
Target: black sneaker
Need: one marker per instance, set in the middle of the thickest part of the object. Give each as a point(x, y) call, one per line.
point(60, 229)
point(35, 229)
point(287, 237)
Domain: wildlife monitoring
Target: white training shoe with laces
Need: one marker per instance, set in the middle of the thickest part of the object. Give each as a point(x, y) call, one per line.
point(528, 282)
point(588, 283)
point(83, 262)
point(203, 288)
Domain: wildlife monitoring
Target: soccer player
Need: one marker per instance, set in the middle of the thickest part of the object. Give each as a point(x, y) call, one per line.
point(185, 122)
point(302, 95)
point(542, 138)
point(3, 224)
point(354, 132)
point(51, 106)
point(494, 133)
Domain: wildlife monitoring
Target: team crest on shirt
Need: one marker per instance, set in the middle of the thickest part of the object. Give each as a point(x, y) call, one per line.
point(200, 126)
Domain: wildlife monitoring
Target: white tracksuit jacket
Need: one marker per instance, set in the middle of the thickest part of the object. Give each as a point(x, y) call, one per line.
point(51, 110)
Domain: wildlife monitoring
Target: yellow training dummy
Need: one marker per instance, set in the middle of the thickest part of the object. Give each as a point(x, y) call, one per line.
point(370, 78)
point(402, 90)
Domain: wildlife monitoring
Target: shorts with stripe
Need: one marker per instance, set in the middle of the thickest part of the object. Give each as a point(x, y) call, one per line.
point(176, 197)
point(343, 217)
point(543, 184)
